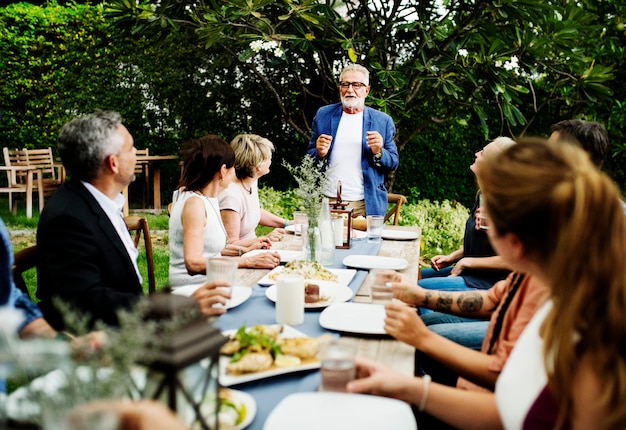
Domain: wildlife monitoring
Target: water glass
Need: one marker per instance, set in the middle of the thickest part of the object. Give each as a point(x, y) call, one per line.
point(338, 366)
point(223, 270)
point(381, 292)
point(375, 228)
point(300, 222)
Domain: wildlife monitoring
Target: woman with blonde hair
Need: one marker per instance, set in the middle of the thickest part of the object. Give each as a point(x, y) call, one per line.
point(553, 215)
point(239, 203)
point(195, 226)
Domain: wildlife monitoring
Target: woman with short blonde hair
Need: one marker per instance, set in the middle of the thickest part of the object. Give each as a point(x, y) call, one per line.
point(239, 204)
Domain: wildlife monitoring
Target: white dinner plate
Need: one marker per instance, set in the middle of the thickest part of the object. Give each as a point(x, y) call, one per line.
point(330, 292)
point(238, 398)
point(399, 234)
point(360, 318)
point(238, 295)
point(375, 262)
point(339, 411)
point(227, 380)
point(285, 255)
point(344, 276)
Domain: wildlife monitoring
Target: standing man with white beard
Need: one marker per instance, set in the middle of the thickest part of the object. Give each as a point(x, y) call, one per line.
point(357, 142)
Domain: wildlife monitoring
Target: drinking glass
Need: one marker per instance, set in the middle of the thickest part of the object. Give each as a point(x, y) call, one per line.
point(375, 228)
point(222, 269)
point(338, 366)
point(380, 290)
point(300, 222)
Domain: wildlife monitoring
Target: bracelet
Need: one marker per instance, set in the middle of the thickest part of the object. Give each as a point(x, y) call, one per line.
point(286, 223)
point(426, 381)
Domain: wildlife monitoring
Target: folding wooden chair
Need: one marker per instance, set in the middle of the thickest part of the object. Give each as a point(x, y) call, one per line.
point(138, 225)
point(393, 214)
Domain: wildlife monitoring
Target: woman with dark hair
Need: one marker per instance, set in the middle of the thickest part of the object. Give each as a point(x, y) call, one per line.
point(196, 228)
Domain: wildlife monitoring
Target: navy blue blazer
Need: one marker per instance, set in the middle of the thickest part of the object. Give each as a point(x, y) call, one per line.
point(326, 121)
point(81, 259)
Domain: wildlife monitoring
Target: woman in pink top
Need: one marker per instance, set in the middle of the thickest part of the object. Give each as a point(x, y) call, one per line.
point(239, 203)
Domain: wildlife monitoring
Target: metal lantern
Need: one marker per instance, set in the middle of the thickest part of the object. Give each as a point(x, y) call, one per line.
point(341, 219)
point(183, 371)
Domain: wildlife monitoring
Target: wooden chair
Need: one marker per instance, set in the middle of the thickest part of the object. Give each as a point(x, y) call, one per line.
point(141, 168)
point(393, 214)
point(21, 179)
point(52, 173)
point(139, 225)
point(25, 260)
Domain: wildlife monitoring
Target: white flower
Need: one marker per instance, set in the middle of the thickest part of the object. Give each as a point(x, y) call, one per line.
point(512, 64)
point(270, 45)
point(463, 52)
point(279, 52)
point(256, 45)
point(498, 63)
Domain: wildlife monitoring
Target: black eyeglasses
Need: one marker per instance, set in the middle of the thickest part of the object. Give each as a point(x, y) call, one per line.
point(355, 85)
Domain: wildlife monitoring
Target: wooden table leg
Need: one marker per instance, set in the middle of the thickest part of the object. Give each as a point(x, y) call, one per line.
point(156, 175)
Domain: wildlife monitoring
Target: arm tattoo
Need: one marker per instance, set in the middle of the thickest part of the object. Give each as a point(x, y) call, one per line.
point(470, 302)
point(427, 297)
point(444, 302)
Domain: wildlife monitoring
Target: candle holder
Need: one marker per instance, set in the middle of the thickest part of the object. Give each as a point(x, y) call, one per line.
point(345, 215)
point(184, 370)
point(338, 211)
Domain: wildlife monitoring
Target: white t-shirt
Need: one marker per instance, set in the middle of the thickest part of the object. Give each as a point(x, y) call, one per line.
point(524, 376)
point(247, 206)
point(214, 238)
point(345, 159)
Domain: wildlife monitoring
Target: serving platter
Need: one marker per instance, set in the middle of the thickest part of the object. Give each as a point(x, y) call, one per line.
point(344, 276)
point(330, 292)
point(238, 295)
point(390, 234)
point(227, 380)
point(375, 262)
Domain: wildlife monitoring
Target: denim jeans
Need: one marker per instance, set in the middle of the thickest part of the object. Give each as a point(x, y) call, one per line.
point(468, 332)
point(441, 280)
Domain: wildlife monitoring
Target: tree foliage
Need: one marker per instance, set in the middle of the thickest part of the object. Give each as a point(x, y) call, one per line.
point(452, 73)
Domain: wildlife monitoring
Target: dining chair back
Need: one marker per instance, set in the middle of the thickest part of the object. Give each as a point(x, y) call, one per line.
point(141, 168)
point(53, 173)
point(24, 260)
point(138, 225)
point(21, 179)
point(393, 213)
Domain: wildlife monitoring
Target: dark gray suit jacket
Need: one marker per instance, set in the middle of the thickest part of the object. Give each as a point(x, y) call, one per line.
point(82, 260)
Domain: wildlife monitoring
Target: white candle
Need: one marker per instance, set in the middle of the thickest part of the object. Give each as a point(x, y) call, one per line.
point(290, 299)
point(338, 231)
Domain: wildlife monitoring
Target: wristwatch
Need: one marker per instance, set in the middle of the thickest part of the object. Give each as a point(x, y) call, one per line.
point(378, 156)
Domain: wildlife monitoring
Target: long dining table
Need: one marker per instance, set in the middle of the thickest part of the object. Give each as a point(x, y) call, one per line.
point(258, 309)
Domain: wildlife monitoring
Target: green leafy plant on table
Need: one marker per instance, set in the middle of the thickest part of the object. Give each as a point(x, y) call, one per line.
point(311, 177)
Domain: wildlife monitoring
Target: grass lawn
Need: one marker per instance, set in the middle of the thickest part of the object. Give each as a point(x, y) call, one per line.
point(23, 231)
